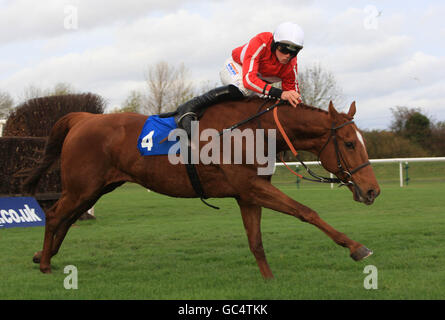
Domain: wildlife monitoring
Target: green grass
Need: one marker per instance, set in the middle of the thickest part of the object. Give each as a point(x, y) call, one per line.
point(148, 246)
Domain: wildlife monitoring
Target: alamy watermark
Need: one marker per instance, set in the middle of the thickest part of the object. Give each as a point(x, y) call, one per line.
point(371, 280)
point(371, 21)
point(71, 20)
point(238, 147)
point(70, 281)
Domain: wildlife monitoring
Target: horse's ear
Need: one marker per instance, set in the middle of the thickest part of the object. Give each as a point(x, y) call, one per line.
point(352, 110)
point(332, 112)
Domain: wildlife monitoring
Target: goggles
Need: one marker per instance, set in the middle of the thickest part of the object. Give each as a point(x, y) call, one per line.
point(291, 49)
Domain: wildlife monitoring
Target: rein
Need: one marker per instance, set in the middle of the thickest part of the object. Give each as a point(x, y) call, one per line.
point(318, 178)
point(257, 115)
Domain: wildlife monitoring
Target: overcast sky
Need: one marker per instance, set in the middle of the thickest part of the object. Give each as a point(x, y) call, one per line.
point(384, 53)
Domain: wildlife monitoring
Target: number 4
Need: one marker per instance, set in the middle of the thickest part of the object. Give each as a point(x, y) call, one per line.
point(147, 141)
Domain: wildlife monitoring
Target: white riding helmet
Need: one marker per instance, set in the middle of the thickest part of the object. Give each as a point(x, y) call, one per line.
point(289, 33)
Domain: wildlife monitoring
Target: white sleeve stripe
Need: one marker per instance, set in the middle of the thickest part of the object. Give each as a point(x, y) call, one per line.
point(252, 60)
point(243, 52)
point(296, 78)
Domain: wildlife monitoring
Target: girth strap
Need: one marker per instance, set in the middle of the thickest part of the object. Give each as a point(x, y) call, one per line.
point(194, 179)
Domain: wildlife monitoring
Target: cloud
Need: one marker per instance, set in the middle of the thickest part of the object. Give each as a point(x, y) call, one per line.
point(416, 82)
point(42, 19)
point(395, 64)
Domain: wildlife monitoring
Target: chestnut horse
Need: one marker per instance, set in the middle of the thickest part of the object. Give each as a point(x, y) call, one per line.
point(98, 153)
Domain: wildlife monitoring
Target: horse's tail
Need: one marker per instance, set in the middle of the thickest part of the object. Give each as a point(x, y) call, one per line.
point(53, 149)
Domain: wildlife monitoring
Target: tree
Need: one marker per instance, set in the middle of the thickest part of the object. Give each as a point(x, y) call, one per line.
point(59, 89)
point(413, 125)
point(133, 103)
point(182, 89)
point(32, 92)
point(6, 104)
point(400, 116)
point(438, 139)
point(418, 128)
point(382, 144)
point(168, 87)
point(318, 87)
point(62, 88)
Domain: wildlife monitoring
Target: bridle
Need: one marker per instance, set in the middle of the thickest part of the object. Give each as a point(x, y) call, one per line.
point(347, 172)
point(342, 170)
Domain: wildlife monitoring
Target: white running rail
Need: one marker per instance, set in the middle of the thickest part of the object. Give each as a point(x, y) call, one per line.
point(393, 160)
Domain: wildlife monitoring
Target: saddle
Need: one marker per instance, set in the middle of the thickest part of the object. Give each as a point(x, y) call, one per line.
point(152, 141)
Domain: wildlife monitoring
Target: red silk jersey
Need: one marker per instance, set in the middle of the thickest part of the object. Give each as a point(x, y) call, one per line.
point(261, 66)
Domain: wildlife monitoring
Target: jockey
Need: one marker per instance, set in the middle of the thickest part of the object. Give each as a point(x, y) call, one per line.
point(265, 59)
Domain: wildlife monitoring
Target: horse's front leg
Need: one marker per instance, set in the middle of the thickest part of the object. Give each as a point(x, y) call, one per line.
point(263, 193)
point(251, 215)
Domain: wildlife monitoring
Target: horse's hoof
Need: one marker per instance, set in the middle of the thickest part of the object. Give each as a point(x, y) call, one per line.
point(46, 270)
point(361, 253)
point(37, 256)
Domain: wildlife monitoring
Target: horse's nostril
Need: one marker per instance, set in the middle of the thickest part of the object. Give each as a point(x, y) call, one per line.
point(372, 194)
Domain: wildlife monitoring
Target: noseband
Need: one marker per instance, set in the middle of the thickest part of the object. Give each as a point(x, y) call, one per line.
point(346, 172)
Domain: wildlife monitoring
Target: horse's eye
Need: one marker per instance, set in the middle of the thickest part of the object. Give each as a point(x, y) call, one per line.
point(349, 144)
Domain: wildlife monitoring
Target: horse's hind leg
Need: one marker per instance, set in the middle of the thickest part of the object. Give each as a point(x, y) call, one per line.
point(76, 213)
point(53, 219)
point(251, 215)
point(62, 229)
point(56, 219)
point(38, 255)
point(60, 218)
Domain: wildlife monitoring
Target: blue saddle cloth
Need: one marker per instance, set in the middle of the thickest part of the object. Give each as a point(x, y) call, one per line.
point(154, 131)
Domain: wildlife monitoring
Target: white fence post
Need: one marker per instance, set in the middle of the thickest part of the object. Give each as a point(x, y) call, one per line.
point(2, 122)
point(401, 174)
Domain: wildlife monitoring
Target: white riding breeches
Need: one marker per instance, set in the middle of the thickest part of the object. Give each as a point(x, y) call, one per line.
point(232, 73)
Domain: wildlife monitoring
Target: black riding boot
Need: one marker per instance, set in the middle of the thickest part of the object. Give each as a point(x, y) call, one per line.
point(192, 109)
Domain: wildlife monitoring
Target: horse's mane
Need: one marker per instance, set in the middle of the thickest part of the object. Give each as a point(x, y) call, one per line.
point(300, 105)
point(305, 106)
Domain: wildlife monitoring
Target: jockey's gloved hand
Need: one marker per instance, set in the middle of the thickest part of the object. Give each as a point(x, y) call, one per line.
point(292, 97)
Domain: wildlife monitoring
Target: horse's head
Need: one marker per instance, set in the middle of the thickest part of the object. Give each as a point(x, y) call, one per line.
point(343, 153)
